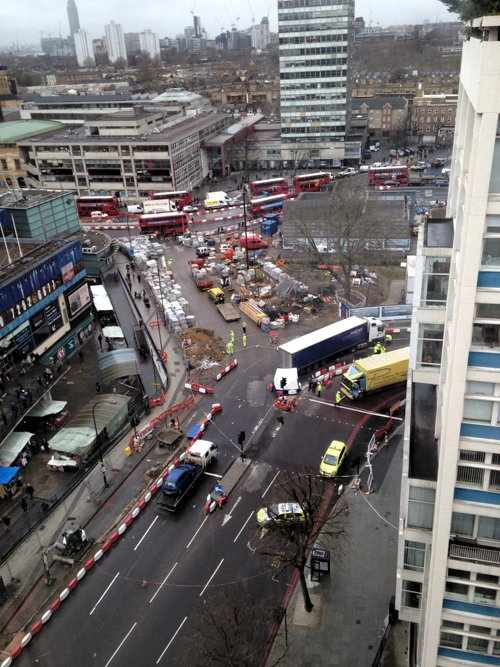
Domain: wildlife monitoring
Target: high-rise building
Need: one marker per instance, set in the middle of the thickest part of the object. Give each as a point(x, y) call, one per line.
point(132, 44)
point(149, 43)
point(448, 573)
point(115, 42)
point(73, 18)
point(100, 51)
point(83, 49)
point(57, 47)
point(197, 26)
point(315, 39)
point(261, 35)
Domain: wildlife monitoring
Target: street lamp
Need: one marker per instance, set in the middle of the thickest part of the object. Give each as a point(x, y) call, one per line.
point(103, 468)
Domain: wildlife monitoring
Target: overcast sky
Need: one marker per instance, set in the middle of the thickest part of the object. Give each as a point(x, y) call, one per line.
point(25, 20)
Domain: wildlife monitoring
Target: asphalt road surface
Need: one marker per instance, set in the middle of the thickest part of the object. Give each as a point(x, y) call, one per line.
point(142, 603)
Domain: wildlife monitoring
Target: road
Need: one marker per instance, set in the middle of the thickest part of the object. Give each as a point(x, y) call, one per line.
point(143, 603)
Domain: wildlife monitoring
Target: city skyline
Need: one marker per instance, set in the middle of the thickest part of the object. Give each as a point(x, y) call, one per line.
point(49, 18)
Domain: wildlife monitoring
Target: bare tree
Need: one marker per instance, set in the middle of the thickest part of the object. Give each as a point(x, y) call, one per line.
point(289, 542)
point(232, 628)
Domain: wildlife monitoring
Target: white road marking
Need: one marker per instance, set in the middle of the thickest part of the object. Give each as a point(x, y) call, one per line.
point(163, 582)
point(122, 643)
point(196, 533)
point(364, 412)
point(211, 577)
point(147, 531)
point(270, 484)
point(243, 527)
point(104, 594)
point(173, 637)
point(229, 515)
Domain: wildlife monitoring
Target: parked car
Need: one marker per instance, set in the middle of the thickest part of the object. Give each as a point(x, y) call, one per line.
point(190, 209)
point(280, 514)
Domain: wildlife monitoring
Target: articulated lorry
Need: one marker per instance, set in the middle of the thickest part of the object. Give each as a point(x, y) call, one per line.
point(375, 373)
point(329, 342)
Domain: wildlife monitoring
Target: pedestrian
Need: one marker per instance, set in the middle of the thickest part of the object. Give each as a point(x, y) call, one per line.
point(139, 278)
point(244, 328)
point(338, 398)
point(24, 460)
point(244, 341)
point(80, 355)
point(281, 420)
point(40, 381)
point(388, 339)
point(29, 491)
point(311, 384)
point(97, 387)
point(24, 504)
point(6, 520)
point(319, 389)
point(99, 340)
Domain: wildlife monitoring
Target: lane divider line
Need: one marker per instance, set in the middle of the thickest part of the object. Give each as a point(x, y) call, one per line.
point(163, 582)
point(243, 527)
point(171, 640)
point(122, 643)
point(146, 533)
point(104, 594)
point(211, 577)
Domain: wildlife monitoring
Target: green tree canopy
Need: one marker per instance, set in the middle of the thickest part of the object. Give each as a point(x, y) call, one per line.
point(470, 9)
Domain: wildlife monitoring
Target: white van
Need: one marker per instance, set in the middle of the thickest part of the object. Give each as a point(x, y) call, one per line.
point(135, 208)
point(216, 200)
point(201, 452)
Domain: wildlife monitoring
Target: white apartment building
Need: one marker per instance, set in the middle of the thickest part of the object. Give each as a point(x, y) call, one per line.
point(149, 43)
point(115, 42)
point(261, 35)
point(83, 49)
point(448, 577)
point(315, 41)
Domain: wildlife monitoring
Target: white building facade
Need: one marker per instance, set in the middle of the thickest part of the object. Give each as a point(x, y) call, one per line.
point(448, 577)
point(315, 43)
point(149, 43)
point(261, 35)
point(115, 42)
point(84, 49)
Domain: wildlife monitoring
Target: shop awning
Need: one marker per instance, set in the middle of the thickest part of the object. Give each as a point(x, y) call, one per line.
point(13, 445)
point(7, 474)
point(112, 333)
point(47, 408)
point(102, 304)
point(117, 364)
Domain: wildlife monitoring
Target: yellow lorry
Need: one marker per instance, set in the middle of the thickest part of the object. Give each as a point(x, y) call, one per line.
point(376, 372)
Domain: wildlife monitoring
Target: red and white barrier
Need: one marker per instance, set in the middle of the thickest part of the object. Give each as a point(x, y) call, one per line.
point(201, 389)
point(330, 372)
point(215, 409)
point(226, 370)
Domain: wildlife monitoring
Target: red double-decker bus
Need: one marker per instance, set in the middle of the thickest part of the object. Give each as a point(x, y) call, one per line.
point(312, 182)
point(270, 186)
point(394, 175)
point(180, 197)
point(164, 224)
point(265, 204)
point(105, 203)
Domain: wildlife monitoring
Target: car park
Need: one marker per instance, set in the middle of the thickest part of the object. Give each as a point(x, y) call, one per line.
point(280, 514)
point(333, 459)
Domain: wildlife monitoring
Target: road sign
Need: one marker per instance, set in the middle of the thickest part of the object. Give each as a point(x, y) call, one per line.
point(320, 563)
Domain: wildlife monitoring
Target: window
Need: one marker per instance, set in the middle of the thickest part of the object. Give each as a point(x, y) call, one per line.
point(478, 410)
point(430, 344)
point(484, 595)
point(414, 555)
point(493, 224)
point(462, 524)
point(3, 164)
point(453, 624)
point(488, 311)
point(470, 476)
point(458, 574)
point(435, 281)
point(421, 507)
point(460, 590)
point(480, 388)
point(487, 578)
point(412, 594)
point(486, 335)
point(488, 528)
point(473, 457)
point(491, 252)
point(451, 640)
point(476, 644)
point(496, 648)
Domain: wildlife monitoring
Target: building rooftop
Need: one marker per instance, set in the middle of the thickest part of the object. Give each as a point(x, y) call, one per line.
point(232, 131)
point(179, 96)
point(169, 134)
point(27, 198)
point(16, 130)
point(77, 100)
point(379, 101)
point(423, 445)
point(32, 253)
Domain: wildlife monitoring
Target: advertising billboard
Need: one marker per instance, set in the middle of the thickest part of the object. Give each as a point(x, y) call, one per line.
point(78, 299)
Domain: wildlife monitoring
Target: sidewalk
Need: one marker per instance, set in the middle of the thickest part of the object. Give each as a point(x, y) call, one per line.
point(351, 605)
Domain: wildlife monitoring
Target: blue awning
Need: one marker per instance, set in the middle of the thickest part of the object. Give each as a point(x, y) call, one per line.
point(8, 474)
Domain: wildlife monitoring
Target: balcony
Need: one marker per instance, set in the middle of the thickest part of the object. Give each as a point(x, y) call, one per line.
point(473, 553)
point(47, 154)
point(438, 233)
point(152, 155)
point(102, 155)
